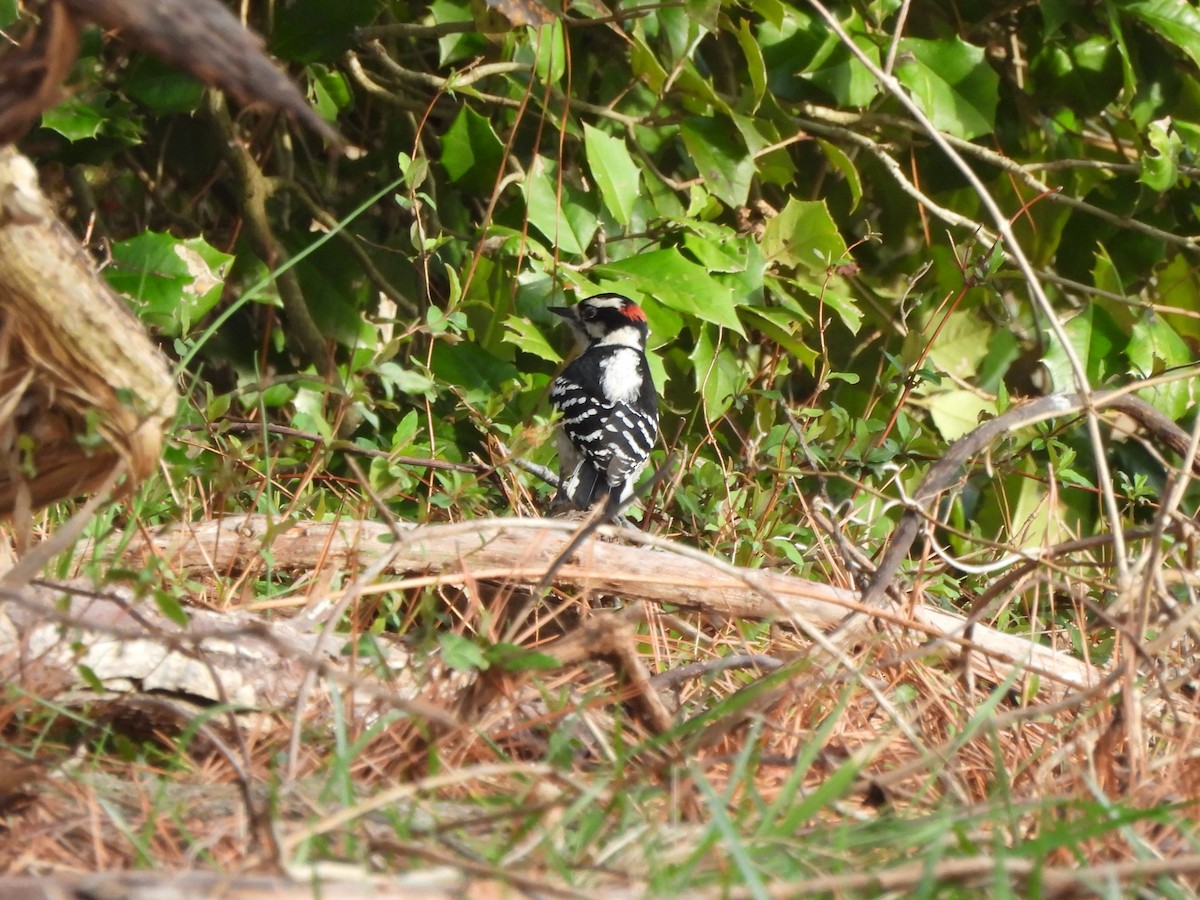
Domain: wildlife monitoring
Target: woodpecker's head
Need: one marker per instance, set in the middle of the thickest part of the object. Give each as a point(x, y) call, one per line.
point(607, 319)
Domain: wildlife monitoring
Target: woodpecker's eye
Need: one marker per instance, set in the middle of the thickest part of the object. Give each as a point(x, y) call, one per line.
point(587, 313)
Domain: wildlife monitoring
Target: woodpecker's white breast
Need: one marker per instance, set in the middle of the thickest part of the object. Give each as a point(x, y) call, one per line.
point(621, 376)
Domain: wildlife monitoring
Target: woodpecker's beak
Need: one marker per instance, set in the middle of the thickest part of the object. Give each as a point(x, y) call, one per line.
point(567, 312)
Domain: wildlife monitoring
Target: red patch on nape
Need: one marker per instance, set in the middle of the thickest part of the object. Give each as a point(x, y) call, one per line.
point(632, 311)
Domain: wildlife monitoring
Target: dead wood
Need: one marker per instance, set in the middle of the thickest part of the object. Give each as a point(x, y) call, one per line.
point(49, 635)
point(82, 388)
point(202, 37)
point(519, 552)
point(205, 39)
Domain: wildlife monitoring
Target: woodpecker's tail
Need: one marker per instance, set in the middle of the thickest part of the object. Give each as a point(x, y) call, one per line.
point(584, 487)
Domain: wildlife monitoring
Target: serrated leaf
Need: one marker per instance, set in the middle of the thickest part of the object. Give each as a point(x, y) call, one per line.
point(804, 234)
point(952, 83)
point(680, 284)
point(75, 119)
point(175, 282)
point(616, 174)
point(1160, 166)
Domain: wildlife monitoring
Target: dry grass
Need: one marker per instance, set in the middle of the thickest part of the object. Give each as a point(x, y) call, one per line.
point(631, 747)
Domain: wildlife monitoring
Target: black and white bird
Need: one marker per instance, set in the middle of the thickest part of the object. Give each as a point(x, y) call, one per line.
point(608, 404)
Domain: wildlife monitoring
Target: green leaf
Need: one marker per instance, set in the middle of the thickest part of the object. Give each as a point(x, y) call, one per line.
point(757, 68)
point(470, 367)
point(1154, 347)
point(645, 65)
point(1160, 167)
point(461, 653)
point(1036, 520)
point(471, 152)
point(75, 118)
point(174, 282)
point(310, 413)
point(962, 344)
point(171, 608)
point(515, 658)
point(616, 174)
point(550, 54)
point(1179, 284)
point(680, 284)
point(306, 31)
point(526, 336)
point(773, 11)
point(89, 676)
point(161, 88)
point(405, 380)
point(952, 83)
point(784, 328)
point(1176, 21)
point(840, 161)
point(719, 378)
point(835, 70)
point(1097, 341)
point(329, 90)
point(1104, 272)
point(570, 227)
point(724, 164)
point(956, 412)
point(774, 166)
point(456, 45)
point(713, 255)
point(804, 234)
